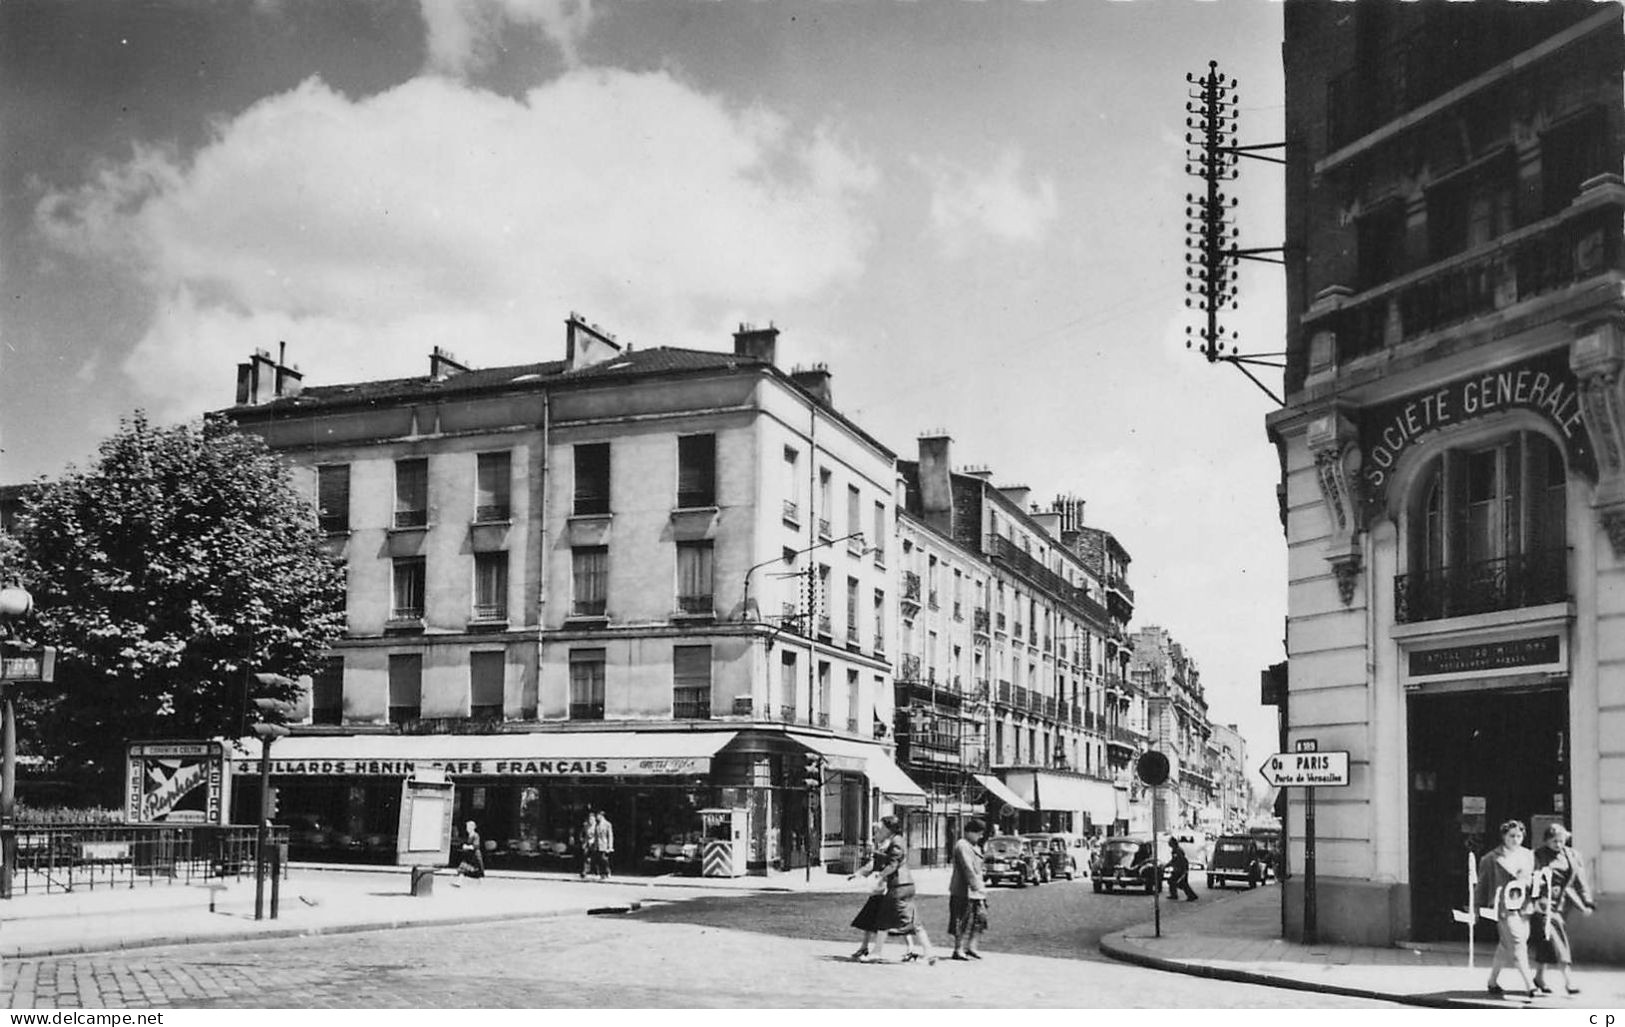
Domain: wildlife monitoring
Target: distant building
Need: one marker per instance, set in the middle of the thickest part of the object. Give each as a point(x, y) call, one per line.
point(1453, 449)
point(646, 581)
point(1171, 684)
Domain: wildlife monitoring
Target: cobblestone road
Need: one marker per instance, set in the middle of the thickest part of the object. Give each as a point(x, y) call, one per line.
point(638, 960)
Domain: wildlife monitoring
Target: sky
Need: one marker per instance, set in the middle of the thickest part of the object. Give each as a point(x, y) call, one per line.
point(971, 210)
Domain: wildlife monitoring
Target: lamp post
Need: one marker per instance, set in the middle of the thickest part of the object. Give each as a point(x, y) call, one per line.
point(272, 725)
point(15, 602)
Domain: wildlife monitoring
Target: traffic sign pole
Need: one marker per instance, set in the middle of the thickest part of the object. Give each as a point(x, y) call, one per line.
point(1311, 930)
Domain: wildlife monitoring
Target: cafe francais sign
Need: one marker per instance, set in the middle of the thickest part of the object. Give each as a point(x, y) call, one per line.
point(1543, 385)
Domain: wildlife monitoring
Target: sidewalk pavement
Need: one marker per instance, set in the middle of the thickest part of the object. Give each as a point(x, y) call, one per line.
point(332, 899)
point(1238, 938)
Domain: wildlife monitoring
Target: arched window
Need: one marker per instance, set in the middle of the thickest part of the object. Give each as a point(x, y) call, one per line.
point(1486, 531)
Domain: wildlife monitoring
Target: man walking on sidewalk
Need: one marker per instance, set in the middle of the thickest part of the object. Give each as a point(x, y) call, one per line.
point(602, 845)
point(1180, 876)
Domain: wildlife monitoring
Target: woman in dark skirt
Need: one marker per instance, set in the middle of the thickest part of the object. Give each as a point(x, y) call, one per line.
point(1565, 884)
point(890, 910)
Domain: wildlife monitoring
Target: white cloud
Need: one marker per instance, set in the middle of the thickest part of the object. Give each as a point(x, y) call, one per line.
point(1001, 202)
point(463, 34)
point(364, 232)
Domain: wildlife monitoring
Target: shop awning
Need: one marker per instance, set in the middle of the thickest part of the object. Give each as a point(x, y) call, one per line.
point(881, 770)
point(1001, 792)
point(1055, 791)
point(528, 754)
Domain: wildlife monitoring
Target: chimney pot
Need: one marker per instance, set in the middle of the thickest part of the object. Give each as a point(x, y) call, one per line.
point(760, 343)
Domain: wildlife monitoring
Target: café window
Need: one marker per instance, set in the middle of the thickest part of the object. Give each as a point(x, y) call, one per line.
point(1486, 529)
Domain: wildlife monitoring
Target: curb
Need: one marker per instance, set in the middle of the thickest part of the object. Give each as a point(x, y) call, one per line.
point(1115, 946)
point(282, 933)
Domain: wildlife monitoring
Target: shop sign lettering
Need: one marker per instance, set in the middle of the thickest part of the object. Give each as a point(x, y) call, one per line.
point(1543, 384)
point(589, 767)
point(1504, 655)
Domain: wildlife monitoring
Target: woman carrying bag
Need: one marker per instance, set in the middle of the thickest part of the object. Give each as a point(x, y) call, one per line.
point(1560, 872)
point(891, 907)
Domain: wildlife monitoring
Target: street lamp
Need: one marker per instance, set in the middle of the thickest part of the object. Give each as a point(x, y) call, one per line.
point(273, 714)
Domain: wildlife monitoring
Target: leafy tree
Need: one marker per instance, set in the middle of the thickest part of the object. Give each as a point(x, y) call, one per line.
point(178, 564)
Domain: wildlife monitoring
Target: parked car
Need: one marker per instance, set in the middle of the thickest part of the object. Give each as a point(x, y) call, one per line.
point(1011, 859)
point(1067, 855)
point(1124, 862)
point(1236, 857)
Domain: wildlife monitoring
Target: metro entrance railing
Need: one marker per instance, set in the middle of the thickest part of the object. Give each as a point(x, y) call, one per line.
point(65, 858)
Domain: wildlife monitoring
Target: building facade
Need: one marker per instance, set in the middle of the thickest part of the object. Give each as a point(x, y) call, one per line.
point(1171, 686)
point(634, 581)
point(1453, 448)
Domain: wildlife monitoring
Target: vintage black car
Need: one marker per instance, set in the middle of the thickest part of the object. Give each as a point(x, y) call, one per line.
point(1010, 859)
point(1268, 840)
point(1123, 863)
point(1236, 858)
point(1064, 854)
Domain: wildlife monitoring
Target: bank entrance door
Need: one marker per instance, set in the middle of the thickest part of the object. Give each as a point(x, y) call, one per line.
point(1478, 758)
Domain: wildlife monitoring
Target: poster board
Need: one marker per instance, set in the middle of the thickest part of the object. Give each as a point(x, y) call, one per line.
point(175, 783)
point(424, 832)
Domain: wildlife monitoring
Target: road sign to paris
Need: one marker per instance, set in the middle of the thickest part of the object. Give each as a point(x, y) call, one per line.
point(1306, 769)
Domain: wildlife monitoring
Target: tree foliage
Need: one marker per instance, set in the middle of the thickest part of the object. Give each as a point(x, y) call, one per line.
point(178, 564)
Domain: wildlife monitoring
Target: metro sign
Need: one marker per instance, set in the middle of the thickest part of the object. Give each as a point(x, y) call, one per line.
point(1306, 769)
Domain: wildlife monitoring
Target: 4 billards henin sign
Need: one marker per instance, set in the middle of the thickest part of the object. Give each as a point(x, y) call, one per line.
point(1306, 769)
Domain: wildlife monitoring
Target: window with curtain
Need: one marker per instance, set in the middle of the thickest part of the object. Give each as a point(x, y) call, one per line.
point(491, 586)
point(333, 497)
point(407, 602)
point(880, 620)
point(586, 684)
point(1487, 531)
point(824, 502)
point(696, 470)
point(591, 478)
point(590, 580)
point(792, 486)
point(854, 696)
point(405, 687)
point(694, 578)
point(852, 611)
point(691, 682)
point(492, 487)
point(327, 692)
point(411, 493)
point(486, 672)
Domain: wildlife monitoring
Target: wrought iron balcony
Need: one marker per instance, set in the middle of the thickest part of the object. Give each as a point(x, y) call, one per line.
point(493, 512)
point(911, 588)
point(998, 622)
point(1581, 242)
point(823, 527)
point(692, 704)
point(909, 669)
point(979, 620)
point(697, 605)
point(792, 511)
point(1509, 583)
point(587, 711)
point(490, 611)
point(588, 608)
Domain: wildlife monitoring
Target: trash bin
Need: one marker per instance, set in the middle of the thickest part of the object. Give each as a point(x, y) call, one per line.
point(423, 882)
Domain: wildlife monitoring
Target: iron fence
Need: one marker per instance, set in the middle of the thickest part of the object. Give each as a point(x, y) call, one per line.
point(1510, 583)
point(72, 857)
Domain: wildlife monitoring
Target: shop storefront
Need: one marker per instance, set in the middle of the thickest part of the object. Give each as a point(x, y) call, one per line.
point(529, 793)
point(1057, 800)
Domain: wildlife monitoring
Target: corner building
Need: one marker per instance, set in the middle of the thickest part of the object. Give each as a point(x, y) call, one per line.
point(1453, 449)
point(642, 581)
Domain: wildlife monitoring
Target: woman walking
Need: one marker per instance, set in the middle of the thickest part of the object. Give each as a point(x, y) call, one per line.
point(1505, 875)
point(1560, 875)
point(891, 909)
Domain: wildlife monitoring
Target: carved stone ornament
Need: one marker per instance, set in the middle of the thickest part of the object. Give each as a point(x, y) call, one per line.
point(1333, 442)
point(1597, 356)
